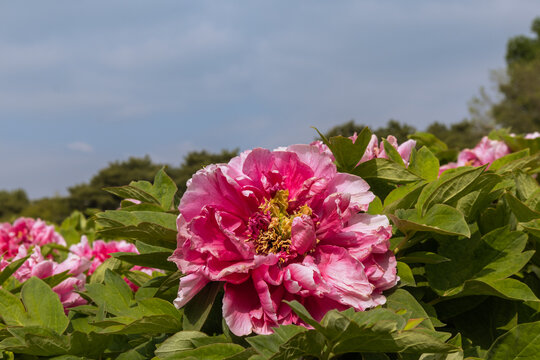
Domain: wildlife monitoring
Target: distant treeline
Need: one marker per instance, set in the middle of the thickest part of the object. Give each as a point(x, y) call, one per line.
point(517, 107)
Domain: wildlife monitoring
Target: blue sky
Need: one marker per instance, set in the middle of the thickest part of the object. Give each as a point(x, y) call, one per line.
point(83, 83)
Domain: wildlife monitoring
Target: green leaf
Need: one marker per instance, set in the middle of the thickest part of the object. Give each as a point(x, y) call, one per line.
point(268, 345)
point(532, 227)
point(481, 195)
point(523, 212)
point(152, 234)
point(11, 268)
point(429, 140)
point(43, 305)
point(442, 219)
point(157, 260)
point(405, 274)
point(504, 288)
point(209, 352)
point(424, 164)
point(197, 310)
point(386, 170)
point(480, 263)
point(500, 162)
point(450, 186)
point(115, 294)
point(110, 264)
point(148, 324)
point(348, 153)
point(526, 187)
point(375, 207)
point(40, 340)
point(156, 306)
point(12, 310)
point(305, 344)
point(132, 192)
point(164, 189)
point(403, 300)
point(302, 312)
point(522, 342)
point(120, 217)
point(178, 342)
point(403, 197)
point(424, 257)
point(392, 153)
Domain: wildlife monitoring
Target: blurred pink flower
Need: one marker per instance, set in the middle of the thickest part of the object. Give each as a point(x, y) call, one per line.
point(485, 152)
point(26, 232)
point(38, 266)
point(533, 135)
point(282, 225)
point(100, 251)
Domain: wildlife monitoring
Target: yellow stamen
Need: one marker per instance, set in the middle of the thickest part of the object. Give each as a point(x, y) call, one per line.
point(277, 238)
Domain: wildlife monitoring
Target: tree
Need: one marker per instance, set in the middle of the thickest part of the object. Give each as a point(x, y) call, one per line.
point(520, 107)
point(12, 203)
point(91, 195)
point(54, 209)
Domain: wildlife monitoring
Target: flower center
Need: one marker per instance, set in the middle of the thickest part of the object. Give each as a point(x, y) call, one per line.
point(271, 228)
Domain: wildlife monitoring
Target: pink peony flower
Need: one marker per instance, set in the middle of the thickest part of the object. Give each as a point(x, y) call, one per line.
point(100, 251)
point(374, 149)
point(27, 232)
point(37, 265)
point(282, 225)
point(485, 152)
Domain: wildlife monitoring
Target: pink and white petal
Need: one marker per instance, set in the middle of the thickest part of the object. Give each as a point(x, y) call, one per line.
point(345, 275)
point(303, 236)
point(210, 186)
point(190, 285)
point(354, 185)
point(322, 166)
point(240, 304)
point(405, 149)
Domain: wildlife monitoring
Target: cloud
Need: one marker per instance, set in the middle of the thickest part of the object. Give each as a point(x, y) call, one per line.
point(81, 146)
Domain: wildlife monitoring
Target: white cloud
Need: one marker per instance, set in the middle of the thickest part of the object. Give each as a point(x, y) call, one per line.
point(81, 146)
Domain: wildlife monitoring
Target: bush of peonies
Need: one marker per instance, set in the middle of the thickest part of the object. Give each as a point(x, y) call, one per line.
point(343, 247)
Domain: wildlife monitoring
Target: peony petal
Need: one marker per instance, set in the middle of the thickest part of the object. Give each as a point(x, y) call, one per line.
point(303, 236)
point(190, 285)
point(239, 303)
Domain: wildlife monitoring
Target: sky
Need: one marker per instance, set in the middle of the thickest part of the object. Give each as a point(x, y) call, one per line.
point(85, 83)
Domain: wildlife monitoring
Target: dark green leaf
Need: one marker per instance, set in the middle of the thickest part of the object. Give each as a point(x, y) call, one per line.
point(442, 219)
point(523, 212)
point(424, 257)
point(405, 274)
point(11, 268)
point(157, 260)
point(209, 352)
point(481, 261)
point(268, 345)
point(197, 310)
point(403, 300)
point(522, 342)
